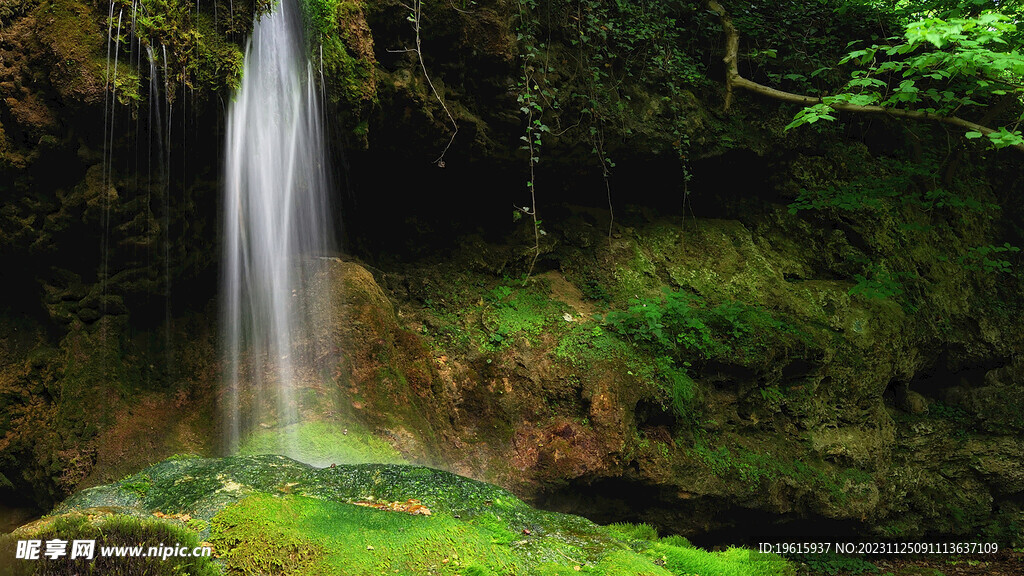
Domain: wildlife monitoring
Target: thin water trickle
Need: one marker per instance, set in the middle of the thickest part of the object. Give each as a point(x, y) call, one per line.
point(276, 208)
point(108, 163)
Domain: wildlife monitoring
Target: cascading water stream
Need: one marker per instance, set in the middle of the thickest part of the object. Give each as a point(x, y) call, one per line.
point(276, 224)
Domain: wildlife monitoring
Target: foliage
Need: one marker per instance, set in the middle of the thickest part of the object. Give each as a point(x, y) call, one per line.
point(802, 62)
point(772, 395)
point(665, 324)
point(987, 259)
point(876, 284)
point(680, 330)
point(954, 414)
point(683, 327)
point(598, 72)
point(617, 44)
point(321, 17)
point(910, 194)
point(510, 312)
point(529, 99)
point(940, 67)
point(189, 49)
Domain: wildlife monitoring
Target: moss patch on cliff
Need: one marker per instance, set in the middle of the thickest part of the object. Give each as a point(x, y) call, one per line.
point(70, 31)
point(341, 47)
point(322, 443)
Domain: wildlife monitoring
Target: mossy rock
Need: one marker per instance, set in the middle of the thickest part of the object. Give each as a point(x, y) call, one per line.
point(109, 529)
point(271, 514)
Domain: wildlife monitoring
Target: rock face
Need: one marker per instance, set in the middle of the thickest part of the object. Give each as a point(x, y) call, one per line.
point(819, 408)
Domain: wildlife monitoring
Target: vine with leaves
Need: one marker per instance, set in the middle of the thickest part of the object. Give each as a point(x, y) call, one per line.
point(529, 99)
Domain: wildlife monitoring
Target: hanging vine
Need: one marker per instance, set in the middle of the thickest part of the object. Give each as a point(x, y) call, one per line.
point(416, 18)
point(530, 94)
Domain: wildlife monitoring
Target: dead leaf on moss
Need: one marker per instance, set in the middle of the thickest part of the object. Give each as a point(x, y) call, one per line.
point(409, 506)
point(288, 487)
point(182, 517)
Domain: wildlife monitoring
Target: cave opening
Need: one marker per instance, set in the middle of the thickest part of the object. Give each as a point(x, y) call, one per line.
point(706, 521)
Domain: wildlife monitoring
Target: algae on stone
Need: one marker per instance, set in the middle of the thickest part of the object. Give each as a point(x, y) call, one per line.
point(270, 513)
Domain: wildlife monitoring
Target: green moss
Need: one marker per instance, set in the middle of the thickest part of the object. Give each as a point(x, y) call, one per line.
point(321, 16)
point(264, 534)
point(218, 63)
point(323, 443)
point(678, 556)
point(93, 370)
point(516, 312)
point(342, 48)
point(630, 531)
point(758, 470)
point(352, 78)
point(732, 562)
point(127, 83)
point(269, 514)
point(120, 530)
point(139, 485)
point(68, 28)
point(312, 536)
point(589, 344)
point(634, 277)
point(347, 539)
point(491, 320)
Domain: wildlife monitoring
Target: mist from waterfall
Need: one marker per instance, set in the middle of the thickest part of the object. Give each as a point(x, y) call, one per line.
point(276, 226)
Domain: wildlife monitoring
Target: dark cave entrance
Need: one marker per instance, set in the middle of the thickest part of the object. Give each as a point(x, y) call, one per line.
point(707, 522)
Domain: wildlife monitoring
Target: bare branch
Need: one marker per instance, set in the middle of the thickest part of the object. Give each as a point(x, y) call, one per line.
point(417, 13)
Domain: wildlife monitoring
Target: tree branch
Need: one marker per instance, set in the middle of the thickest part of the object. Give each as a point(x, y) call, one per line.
point(734, 80)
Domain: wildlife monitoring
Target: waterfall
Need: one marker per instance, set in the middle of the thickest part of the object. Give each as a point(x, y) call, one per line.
point(276, 224)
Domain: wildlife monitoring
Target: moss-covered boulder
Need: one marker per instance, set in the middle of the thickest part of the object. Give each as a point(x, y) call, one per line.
point(270, 514)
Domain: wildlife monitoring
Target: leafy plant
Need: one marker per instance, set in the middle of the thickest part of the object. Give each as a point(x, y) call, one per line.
point(877, 283)
point(987, 259)
point(680, 330)
point(529, 99)
point(938, 69)
point(669, 325)
point(772, 395)
point(510, 312)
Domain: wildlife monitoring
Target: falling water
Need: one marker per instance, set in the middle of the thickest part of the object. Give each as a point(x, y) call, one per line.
point(275, 225)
